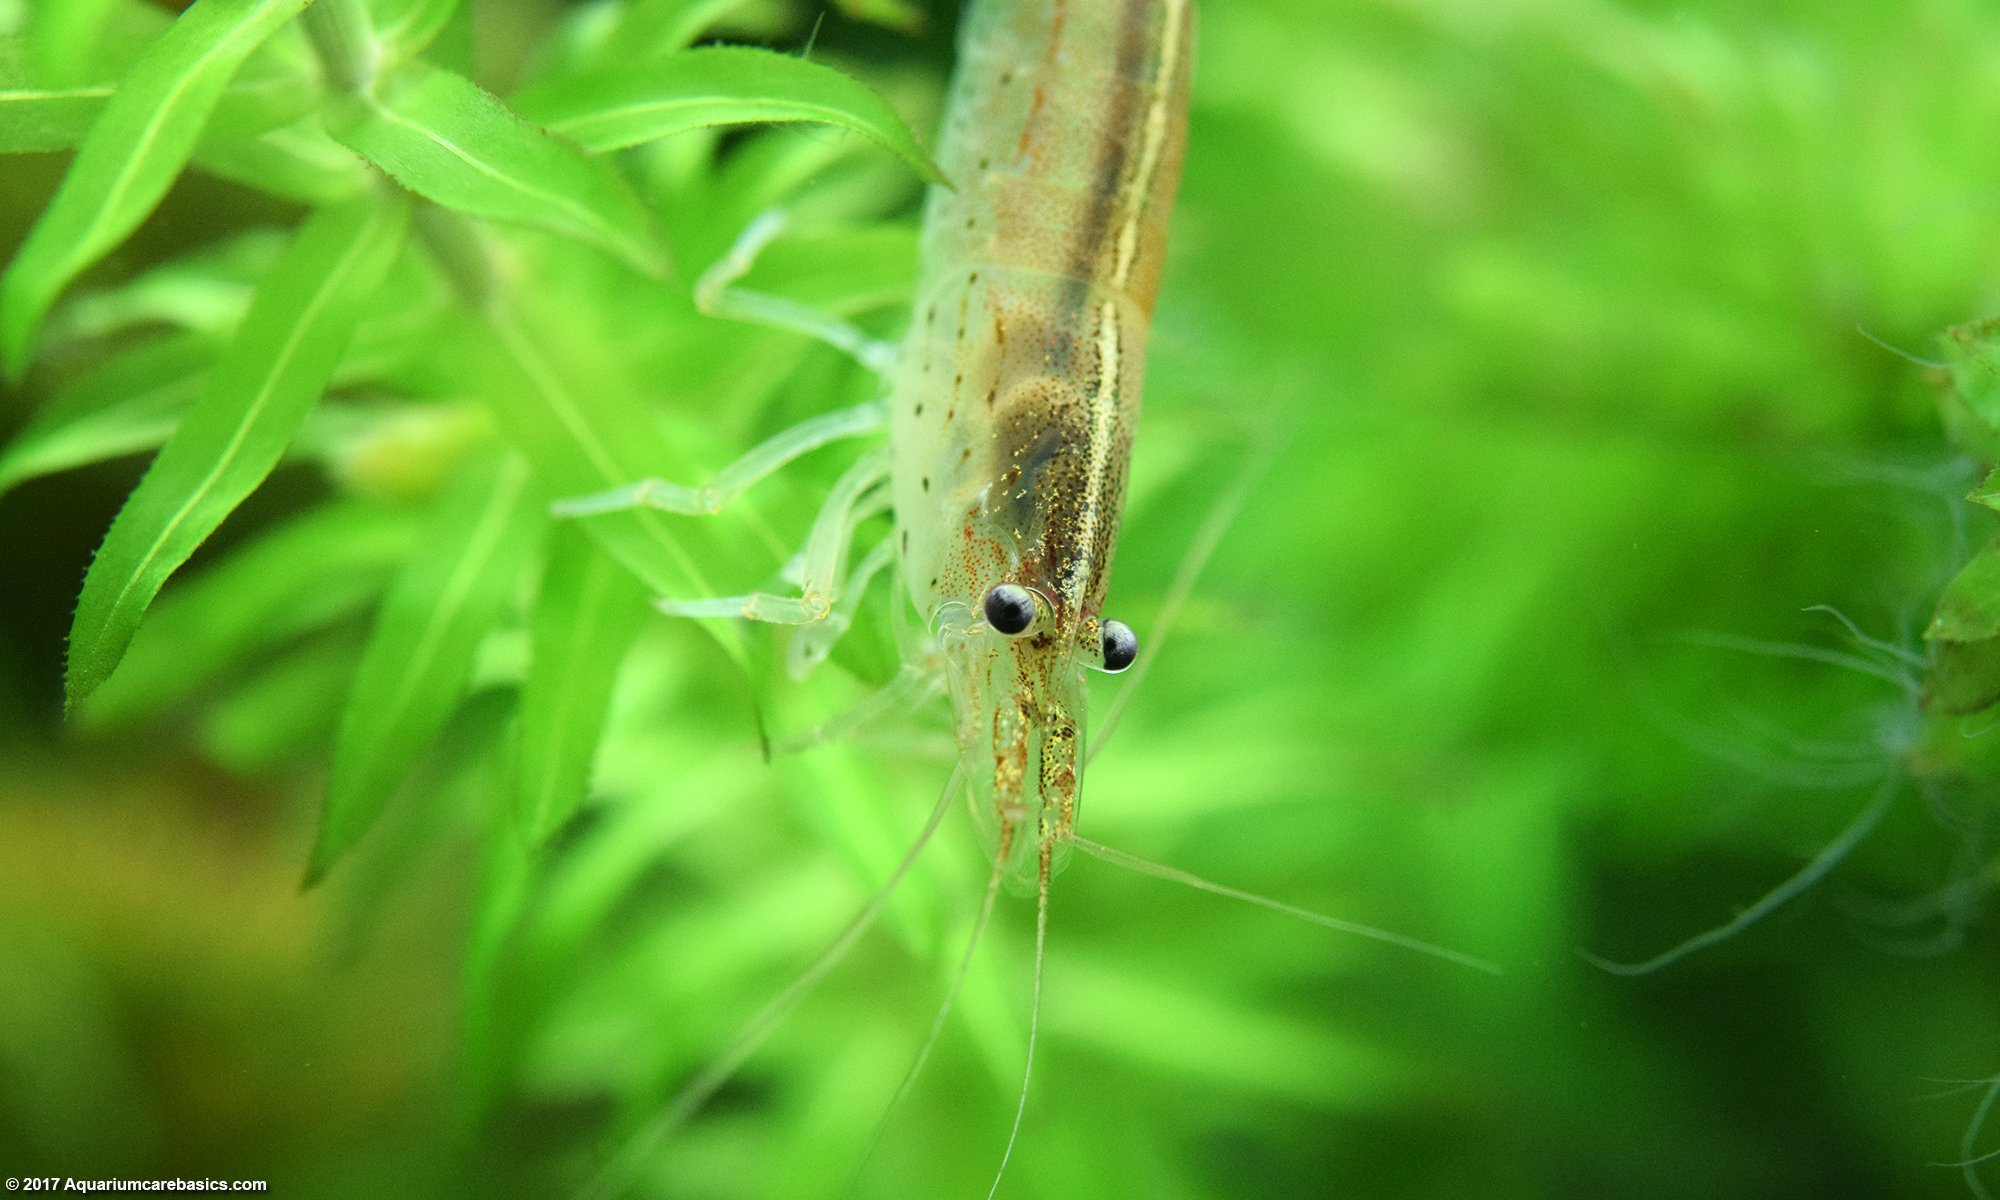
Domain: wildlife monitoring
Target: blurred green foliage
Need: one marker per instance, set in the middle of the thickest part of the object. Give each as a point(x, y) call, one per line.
point(1596, 576)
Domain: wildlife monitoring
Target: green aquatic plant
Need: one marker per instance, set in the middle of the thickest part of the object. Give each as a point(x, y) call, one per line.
point(1546, 312)
point(374, 313)
point(456, 309)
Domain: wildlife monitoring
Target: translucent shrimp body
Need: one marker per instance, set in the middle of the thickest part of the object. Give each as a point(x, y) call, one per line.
point(1017, 388)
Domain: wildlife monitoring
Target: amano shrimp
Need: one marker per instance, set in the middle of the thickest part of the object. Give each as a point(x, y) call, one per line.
point(1012, 404)
point(1017, 389)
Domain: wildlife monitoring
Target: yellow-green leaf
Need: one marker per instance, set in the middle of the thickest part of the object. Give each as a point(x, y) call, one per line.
point(904, 15)
point(299, 577)
point(582, 439)
point(649, 29)
point(404, 27)
point(130, 157)
point(37, 112)
point(613, 108)
point(1988, 491)
point(63, 37)
point(1969, 610)
point(450, 593)
point(55, 79)
point(586, 616)
point(450, 142)
point(273, 370)
point(130, 403)
point(286, 711)
point(296, 162)
point(205, 292)
point(279, 83)
point(42, 109)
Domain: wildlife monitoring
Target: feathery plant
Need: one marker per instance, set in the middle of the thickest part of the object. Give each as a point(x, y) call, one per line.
point(1959, 756)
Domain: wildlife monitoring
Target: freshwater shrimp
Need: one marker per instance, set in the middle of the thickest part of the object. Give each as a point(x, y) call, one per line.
point(1017, 389)
point(1011, 406)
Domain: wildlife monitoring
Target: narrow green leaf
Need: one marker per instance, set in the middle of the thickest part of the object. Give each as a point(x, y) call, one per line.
point(542, 369)
point(395, 348)
point(1965, 679)
point(278, 84)
point(582, 439)
point(450, 142)
point(64, 37)
point(343, 40)
point(38, 113)
point(404, 27)
point(285, 713)
point(580, 445)
point(494, 1031)
point(296, 162)
point(302, 576)
point(842, 271)
point(805, 175)
point(130, 403)
point(448, 596)
point(268, 378)
point(1969, 399)
point(130, 157)
point(207, 291)
point(613, 108)
point(652, 28)
point(904, 15)
point(589, 610)
point(42, 109)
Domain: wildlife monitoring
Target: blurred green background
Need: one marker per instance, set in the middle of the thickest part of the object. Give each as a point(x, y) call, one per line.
point(1553, 313)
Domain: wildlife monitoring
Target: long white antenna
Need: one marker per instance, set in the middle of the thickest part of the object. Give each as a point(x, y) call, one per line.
point(696, 1092)
point(937, 1022)
point(1175, 874)
point(1034, 1013)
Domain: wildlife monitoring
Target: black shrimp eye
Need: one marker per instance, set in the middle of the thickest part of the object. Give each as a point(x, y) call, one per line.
point(1010, 608)
point(1121, 646)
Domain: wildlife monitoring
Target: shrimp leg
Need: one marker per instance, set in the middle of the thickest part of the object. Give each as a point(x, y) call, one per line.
point(764, 459)
point(908, 690)
point(814, 644)
point(716, 295)
point(855, 497)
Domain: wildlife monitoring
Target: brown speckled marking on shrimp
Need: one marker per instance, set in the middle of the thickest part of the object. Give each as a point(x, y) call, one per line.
point(1064, 135)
